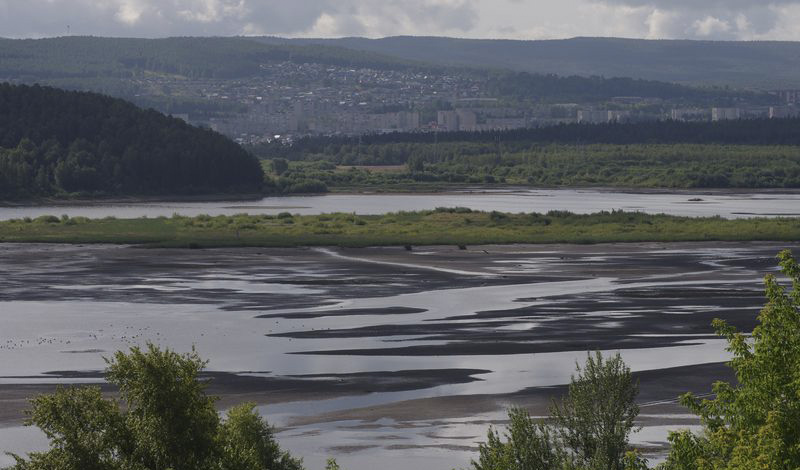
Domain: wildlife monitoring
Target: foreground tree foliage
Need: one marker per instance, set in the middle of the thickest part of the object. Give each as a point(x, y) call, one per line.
point(55, 142)
point(754, 425)
point(588, 430)
point(163, 421)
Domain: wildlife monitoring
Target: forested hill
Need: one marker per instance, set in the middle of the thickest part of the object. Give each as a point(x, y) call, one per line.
point(54, 142)
point(192, 57)
point(119, 66)
point(762, 64)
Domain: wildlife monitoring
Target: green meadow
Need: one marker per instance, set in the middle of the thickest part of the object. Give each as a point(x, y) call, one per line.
point(444, 226)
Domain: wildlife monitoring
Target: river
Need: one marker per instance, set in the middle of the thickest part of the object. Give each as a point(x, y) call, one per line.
point(686, 203)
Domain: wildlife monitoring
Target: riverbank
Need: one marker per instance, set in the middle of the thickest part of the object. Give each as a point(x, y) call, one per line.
point(421, 189)
point(452, 226)
point(67, 201)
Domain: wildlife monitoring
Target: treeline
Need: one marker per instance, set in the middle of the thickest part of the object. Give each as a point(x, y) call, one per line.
point(739, 132)
point(560, 89)
point(54, 142)
point(642, 166)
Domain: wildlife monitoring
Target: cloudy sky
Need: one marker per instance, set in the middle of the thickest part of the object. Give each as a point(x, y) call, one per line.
point(515, 19)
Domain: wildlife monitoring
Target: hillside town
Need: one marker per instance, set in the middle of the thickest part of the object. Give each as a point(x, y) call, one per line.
point(295, 99)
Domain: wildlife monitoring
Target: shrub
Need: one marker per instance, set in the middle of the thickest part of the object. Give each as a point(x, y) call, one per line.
point(589, 429)
point(47, 219)
point(496, 216)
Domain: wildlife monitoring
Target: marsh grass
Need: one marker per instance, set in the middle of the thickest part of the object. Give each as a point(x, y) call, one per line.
point(444, 226)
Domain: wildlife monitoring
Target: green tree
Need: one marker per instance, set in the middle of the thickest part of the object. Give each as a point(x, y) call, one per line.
point(528, 445)
point(416, 164)
point(248, 443)
point(588, 429)
point(331, 464)
point(163, 421)
point(165, 398)
point(597, 416)
point(280, 166)
point(754, 424)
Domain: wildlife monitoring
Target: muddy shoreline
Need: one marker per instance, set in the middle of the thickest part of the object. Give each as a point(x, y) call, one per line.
point(659, 390)
point(367, 190)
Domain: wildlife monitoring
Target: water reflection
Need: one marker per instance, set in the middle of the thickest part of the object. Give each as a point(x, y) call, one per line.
point(280, 313)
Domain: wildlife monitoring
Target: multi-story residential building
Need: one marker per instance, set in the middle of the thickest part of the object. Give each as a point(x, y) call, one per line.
point(447, 120)
point(467, 119)
point(690, 114)
point(777, 112)
point(590, 116)
point(725, 114)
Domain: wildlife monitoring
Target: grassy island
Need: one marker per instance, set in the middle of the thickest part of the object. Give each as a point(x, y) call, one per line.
point(443, 226)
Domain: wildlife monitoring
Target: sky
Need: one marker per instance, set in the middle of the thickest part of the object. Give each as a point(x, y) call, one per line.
point(509, 19)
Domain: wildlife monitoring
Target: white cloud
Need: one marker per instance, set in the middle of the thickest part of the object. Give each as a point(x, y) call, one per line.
point(711, 26)
point(714, 19)
point(517, 19)
point(129, 12)
point(660, 24)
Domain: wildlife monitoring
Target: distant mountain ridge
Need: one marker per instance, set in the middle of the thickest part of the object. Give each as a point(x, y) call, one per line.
point(195, 57)
point(121, 66)
point(766, 65)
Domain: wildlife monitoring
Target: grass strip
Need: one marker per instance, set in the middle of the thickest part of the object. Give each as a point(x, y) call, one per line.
point(443, 226)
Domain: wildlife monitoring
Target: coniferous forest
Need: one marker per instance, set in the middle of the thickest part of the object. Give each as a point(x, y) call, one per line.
point(55, 142)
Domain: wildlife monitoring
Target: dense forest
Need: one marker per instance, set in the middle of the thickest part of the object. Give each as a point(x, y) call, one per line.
point(726, 154)
point(55, 142)
point(392, 148)
point(640, 166)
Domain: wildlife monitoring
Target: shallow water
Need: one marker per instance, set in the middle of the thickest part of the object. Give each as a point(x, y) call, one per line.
point(725, 204)
point(63, 308)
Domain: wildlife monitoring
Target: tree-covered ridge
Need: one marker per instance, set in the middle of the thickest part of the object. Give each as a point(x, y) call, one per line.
point(195, 57)
point(553, 88)
point(103, 64)
point(761, 64)
point(54, 142)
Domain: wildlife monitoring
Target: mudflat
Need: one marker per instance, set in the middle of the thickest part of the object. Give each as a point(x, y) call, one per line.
point(378, 352)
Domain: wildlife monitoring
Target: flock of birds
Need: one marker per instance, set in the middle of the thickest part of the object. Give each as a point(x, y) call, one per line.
point(129, 335)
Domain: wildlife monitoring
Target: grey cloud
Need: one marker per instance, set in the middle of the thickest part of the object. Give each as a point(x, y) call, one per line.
point(709, 19)
point(703, 4)
point(154, 18)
